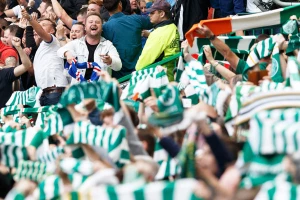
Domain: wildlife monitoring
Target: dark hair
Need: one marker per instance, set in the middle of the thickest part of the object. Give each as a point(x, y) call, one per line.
point(2, 5)
point(261, 37)
point(111, 5)
point(12, 29)
point(146, 136)
point(133, 116)
point(52, 23)
point(82, 11)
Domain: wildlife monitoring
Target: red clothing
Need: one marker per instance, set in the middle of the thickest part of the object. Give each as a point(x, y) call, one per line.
point(5, 52)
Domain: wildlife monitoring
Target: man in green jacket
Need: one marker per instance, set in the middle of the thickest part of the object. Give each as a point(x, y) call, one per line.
point(163, 41)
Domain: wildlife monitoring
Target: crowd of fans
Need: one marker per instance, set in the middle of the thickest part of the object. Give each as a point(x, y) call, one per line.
point(106, 99)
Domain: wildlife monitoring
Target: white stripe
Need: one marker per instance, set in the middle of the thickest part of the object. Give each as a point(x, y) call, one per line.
point(290, 132)
point(91, 134)
point(184, 188)
point(99, 193)
point(77, 181)
point(49, 186)
point(153, 191)
point(280, 126)
point(282, 191)
point(83, 132)
point(269, 18)
point(76, 133)
point(160, 155)
point(161, 172)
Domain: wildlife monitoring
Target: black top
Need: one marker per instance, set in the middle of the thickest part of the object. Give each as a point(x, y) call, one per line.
point(7, 76)
point(91, 49)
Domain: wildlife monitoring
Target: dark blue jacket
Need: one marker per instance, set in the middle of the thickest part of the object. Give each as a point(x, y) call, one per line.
point(228, 7)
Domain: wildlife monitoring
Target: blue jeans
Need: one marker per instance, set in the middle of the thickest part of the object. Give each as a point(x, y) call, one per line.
point(50, 99)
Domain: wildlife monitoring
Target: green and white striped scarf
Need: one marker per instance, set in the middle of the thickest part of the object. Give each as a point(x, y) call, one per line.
point(76, 93)
point(50, 156)
point(262, 169)
point(30, 97)
point(54, 125)
point(111, 139)
point(242, 54)
point(274, 190)
point(36, 110)
point(168, 166)
point(33, 170)
point(276, 72)
point(293, 73)
point(260, 101)
point(195, 73)
point(215, 97)
point(11, 155)
point(169, 101)
point(157, 82)
point(187, 152)
point(52, 187)
point(10, 110)
point(14, 194)
point(275, 131)
point(21, 138)
point(111, 96)
point(182, 189)
point(72, 165)
point(263, 49)
point(141, 82)
point(233, 42)
point(242, 92)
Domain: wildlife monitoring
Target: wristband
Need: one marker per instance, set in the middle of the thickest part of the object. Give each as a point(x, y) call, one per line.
point(212, 37)
point(214, 66)
point(62, 39)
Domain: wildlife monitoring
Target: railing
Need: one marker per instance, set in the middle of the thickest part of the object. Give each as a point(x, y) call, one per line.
point(162, 62)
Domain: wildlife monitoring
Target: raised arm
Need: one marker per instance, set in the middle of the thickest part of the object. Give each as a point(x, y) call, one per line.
point(61, 14)
point(36, 26)
point(26, 63)
point(220, 46)
point(226, 73)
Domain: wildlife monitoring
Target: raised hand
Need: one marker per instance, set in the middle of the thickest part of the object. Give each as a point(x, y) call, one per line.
point(16, 42)
point(23, 23)
point(204, 30)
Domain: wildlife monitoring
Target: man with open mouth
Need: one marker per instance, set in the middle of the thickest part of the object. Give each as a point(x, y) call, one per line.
point(91, 49)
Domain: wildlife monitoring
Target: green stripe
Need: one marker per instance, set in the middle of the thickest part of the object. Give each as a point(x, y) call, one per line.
point(112, 192)
point(287, 12)
point(56, 187)
point(139, 194)
point(168, 191)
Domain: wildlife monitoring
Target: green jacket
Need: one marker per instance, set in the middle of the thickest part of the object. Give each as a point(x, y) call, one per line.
point(161, 43)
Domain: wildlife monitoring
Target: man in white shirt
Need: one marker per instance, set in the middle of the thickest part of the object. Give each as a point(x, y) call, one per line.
point(48, 67)
point(92, 48)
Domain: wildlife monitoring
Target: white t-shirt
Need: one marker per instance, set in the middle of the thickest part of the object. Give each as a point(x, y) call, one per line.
point(18, 11)
point(48, 67)
point(251, 7)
